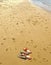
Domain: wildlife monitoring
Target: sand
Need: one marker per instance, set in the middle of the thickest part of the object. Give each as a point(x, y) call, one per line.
point(22, 26)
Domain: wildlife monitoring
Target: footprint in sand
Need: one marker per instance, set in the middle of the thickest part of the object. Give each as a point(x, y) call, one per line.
point(21, 31)
point(35, 46)
point(46, 28)
point(13, 39)
point(27, 42)
point(17, 23)
point(2, 43)
point(6, 49)
point(50, 52)
point(45, 60)
point(4, 38)
point(0, 63)
point(44, 49)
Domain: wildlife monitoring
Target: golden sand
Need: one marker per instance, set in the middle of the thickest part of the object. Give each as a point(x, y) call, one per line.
point(22, 26)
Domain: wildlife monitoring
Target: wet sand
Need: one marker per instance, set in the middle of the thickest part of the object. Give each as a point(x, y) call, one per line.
point(22, 26)
point(45, 4)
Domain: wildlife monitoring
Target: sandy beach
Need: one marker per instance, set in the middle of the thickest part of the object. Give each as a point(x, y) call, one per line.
point(24, 25)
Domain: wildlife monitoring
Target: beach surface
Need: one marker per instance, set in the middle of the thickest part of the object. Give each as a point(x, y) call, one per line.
point(24, 25)
point(45, 4)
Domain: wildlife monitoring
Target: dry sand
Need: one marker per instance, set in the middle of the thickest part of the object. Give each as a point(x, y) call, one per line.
point(22, 26)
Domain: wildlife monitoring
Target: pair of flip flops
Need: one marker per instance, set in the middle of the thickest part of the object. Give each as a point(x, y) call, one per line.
point(24, 54)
